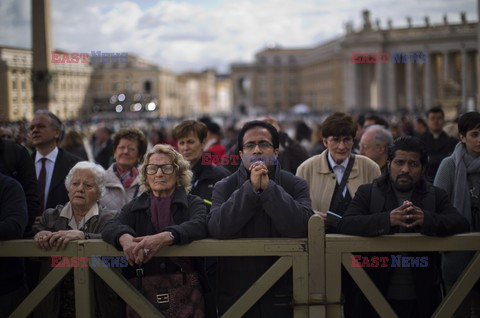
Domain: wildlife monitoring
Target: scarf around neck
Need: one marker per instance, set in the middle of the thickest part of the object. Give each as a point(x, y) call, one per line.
point(126, 177)
point(465, 164)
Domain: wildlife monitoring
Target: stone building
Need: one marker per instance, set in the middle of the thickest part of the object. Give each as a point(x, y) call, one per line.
point(326, 79)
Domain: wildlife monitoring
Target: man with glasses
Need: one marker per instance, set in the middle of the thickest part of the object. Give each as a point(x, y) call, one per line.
point(258, 200)
point(403, 201)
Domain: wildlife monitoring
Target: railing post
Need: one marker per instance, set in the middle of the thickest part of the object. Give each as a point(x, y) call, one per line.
point(316, 267)
point(84, 302)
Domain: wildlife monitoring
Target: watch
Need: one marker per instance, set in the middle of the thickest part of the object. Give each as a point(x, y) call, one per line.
point(172, 236)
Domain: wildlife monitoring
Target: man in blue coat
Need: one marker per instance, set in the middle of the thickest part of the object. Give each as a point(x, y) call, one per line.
point(258, 200)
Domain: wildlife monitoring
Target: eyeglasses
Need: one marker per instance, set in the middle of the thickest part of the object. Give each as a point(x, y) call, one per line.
point(166, 169)
point(337, 140)
point(263, 145)
point(129, 149)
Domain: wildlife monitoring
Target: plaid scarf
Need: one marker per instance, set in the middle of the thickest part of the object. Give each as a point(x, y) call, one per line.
point(126, 177)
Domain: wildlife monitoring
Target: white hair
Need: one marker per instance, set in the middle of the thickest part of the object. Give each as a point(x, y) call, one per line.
point(97, 170)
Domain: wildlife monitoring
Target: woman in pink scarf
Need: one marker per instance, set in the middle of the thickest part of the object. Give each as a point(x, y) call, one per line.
point(123, 184)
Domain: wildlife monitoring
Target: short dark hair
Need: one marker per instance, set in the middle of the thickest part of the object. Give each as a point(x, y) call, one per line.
point(55, 121)
point(198, 128)
point(410, 144)
point(435, 109)
point(258, 123)
point(132, 134)
point(378, 120)
point(468, 121)
point(339, 124)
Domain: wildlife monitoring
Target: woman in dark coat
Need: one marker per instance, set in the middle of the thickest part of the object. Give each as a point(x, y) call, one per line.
point(163, 215)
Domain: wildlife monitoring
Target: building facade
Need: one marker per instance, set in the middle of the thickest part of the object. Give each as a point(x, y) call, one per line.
point(326, 78)
point(135, 88)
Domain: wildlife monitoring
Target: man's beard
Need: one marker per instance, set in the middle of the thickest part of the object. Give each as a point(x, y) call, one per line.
point(403, 187)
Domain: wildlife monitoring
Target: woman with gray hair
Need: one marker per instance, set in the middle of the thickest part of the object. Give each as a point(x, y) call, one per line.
point(82, 218)
point(164, 214)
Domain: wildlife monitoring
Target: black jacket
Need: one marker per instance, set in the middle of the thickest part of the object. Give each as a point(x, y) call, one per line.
point(437, 150)
point(189, 216)
point(58, 194)
point(15, 162)
point(13, 220)
point(366, 218)
point(204, 179)
point(281, 210)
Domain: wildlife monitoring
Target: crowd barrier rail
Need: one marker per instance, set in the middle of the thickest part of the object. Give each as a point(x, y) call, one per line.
point(315, 263)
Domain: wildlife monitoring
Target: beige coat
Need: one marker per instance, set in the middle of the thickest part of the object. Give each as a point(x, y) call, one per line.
point(115, 196)
point(321, 180)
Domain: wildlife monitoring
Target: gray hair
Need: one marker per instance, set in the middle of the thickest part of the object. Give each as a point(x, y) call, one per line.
point(56, 122)
point(97, 170)
point(383, 136)
point(183, 173)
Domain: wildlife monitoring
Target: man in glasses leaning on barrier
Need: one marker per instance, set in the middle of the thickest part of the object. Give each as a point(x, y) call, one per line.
point(258, 200)
point(401, 201)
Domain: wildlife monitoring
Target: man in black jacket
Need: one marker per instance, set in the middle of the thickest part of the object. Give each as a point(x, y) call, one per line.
point(402, 201)
point(13, 220)
point(46, 131)
point(258, 200)
point(15, 162)
point(438, 144)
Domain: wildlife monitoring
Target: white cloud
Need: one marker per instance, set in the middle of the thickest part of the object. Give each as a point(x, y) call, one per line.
point(199, 34)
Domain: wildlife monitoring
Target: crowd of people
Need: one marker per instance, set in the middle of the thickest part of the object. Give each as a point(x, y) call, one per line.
point(141, 191)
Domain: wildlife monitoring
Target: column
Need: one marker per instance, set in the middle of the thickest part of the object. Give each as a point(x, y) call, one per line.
point(427, 83)
point(41, 54)
point(446, 66)
point(464, 79)
point(410, 85)
point(349, 85)
point(391, 87)
point(381, 85)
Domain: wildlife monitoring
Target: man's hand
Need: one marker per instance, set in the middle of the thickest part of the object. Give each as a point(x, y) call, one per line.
point(407, 211)
point(259, 175)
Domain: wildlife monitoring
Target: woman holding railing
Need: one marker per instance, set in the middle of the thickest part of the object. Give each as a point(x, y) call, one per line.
point(81, 218)
point(164, 214)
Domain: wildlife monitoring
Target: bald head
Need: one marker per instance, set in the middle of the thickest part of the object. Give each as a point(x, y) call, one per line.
point(375, 142)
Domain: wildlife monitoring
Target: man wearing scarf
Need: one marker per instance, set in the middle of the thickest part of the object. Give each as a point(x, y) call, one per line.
point(459, 175)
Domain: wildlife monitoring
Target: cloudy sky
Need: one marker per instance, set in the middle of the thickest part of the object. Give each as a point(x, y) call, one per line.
point(198, 34)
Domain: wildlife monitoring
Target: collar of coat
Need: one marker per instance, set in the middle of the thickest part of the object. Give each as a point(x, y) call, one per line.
point(142, 203)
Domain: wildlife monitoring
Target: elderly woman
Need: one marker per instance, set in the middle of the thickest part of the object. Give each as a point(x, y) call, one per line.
point(122, 180)
point(163, 215)
point(334, 177)
point(81, 218)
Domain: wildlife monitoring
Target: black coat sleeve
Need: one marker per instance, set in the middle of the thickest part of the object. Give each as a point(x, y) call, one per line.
point(195, 227)
point(289, 214)
point(446, 220)
point(13, 209)
point(358, 220)
point(118, 226)
point(230, 212)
